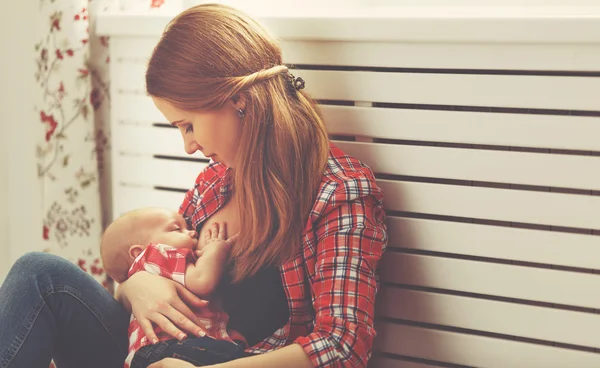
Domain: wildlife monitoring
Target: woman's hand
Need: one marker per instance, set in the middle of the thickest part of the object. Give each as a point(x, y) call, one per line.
point(171, 363)
point(163, 302)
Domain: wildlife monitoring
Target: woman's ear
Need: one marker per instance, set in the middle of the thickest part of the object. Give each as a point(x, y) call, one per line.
point(135, 251)
point(239, 101)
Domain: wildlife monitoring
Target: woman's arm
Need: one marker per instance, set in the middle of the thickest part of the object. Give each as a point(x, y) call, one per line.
point(350, 241)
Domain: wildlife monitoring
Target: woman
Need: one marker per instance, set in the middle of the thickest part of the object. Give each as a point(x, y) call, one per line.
point(309, 218)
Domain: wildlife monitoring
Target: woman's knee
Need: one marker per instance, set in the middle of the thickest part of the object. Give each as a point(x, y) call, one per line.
point(39, 264)
point(33, 262)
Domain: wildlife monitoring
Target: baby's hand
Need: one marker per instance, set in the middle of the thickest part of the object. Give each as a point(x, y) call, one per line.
point(216, 235)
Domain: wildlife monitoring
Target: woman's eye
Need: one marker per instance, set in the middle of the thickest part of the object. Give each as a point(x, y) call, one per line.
point(189, 128)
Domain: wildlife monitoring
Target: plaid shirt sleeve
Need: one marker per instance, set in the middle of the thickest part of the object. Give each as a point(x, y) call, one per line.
point(351, 237)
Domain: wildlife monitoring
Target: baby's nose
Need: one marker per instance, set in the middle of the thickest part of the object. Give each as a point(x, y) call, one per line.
point(192, 234)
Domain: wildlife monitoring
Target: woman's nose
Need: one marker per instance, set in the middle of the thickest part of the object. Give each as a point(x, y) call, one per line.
point(191, 146)
point(189, 143)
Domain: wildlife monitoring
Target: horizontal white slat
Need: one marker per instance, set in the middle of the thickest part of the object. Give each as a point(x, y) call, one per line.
point(477, 351)
point(150, 140)
point(572, 57)
point(451, 24)
point(135, 108)
point(139, 48)
point(568, 171)
point(128, 76)
point(555, 209)
point(149, 171)
point(130, 198)
point(443, 55)
point(450, 89)
point(533, 322)
point(521, 130)
point(543, 92)
point(548, 247)
point(384, 362)
point(544, 285)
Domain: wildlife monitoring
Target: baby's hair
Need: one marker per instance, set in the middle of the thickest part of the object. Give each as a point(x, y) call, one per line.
point(118, 237)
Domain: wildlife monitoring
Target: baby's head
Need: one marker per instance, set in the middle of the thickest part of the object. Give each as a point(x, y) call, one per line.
point(131, 233)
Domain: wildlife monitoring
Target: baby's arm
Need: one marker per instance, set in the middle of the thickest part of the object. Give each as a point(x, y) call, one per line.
point(202, 277)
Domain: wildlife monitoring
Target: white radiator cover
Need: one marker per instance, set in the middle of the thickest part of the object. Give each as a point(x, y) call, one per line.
point(483, 125)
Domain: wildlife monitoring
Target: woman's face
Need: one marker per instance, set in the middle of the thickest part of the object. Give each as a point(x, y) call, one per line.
point(215, 133)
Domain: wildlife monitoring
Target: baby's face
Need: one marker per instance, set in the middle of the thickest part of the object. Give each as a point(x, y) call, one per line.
point(169, 227)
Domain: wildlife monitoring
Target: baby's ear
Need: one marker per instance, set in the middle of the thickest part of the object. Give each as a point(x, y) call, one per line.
point(135, 251)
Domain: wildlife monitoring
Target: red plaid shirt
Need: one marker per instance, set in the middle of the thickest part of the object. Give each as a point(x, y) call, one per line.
point(170, 262)
point(342, 244)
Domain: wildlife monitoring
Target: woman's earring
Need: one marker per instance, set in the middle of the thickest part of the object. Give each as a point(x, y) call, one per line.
point(241, 113)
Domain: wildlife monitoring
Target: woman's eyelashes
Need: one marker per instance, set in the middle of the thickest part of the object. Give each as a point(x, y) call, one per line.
point(189, 128)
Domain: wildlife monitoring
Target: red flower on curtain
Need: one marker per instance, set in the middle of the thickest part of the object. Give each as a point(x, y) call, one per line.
point(157, 3)
point(51, 122)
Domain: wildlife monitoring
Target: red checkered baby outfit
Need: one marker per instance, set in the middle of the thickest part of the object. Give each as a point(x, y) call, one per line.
point(170, 262)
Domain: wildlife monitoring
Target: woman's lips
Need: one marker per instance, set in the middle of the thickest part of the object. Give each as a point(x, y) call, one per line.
point(206, 154)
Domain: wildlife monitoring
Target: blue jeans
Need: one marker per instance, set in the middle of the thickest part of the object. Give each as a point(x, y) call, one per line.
point(200, 351)
point(49, 308)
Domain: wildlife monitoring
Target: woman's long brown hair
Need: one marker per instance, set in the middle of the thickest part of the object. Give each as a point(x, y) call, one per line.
point(211, 53)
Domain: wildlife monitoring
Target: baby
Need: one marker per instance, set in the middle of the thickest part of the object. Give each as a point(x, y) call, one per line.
point(158, 241)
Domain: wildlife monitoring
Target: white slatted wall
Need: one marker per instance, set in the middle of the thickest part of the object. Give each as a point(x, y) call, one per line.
point(489, 155)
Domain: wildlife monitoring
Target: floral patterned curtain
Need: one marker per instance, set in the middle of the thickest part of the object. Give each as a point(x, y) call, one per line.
point(73, 104)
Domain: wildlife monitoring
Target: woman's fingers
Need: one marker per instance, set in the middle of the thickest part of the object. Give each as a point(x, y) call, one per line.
point(193, 324)
point(146, 326)
point(180, 314)
point(167, 326)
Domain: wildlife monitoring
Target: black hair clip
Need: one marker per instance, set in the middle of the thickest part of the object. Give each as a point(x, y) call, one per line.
point(298, 83)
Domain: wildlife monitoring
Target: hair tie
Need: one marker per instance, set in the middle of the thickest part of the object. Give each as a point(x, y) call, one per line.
point(297, 83)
